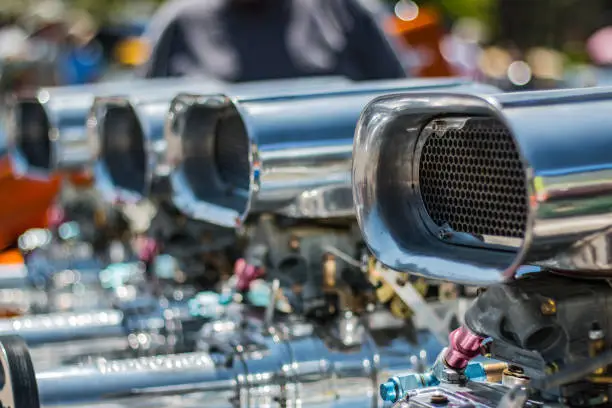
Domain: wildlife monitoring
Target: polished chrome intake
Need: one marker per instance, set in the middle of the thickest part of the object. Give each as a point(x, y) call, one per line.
point(470, 188)
point(61, 327)
point(232, 155)
point(46, 128)
point(128, 132)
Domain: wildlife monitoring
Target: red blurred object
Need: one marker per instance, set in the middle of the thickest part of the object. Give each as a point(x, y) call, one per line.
point(56, 216)
point(147, 248)
point(599, 46)
point(81, 179)
point(424, 35)
point(25, 203)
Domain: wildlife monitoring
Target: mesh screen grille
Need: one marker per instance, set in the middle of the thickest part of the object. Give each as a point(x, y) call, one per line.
point(232, 153)
point(472, 179)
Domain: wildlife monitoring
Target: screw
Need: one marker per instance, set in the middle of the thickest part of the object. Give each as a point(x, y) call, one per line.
point(548, 308)
point(439, 399)
point(294, 243)
point(444, 234)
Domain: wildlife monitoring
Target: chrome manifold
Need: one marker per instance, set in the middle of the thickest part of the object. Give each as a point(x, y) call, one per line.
point(286, 363)
point(279, 175)
point(132, 170)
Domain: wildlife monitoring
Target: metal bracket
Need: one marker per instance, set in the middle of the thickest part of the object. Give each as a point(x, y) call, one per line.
point(516, 397)
point(423, 311)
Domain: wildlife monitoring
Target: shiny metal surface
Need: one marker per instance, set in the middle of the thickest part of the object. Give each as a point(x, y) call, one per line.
point(50, 356)
point(142, 121)
point(115, 379)
point(60, 327)
point(485, 395)
point(295, 150)
point(54, 136)
point(294, 364)
point(13, 276)
point(563, 139)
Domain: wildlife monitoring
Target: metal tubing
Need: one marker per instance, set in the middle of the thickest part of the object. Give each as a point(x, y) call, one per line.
point(128, 130)
point(46, 128)
point(60, 327)
point(291, 363)
point(234, 155)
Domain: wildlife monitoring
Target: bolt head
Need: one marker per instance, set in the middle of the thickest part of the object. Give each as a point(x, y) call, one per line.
point(388, 391)
point(439, 399)
point(548, 307)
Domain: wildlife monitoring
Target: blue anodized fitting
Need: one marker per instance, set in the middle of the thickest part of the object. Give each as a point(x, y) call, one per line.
point(396, 388)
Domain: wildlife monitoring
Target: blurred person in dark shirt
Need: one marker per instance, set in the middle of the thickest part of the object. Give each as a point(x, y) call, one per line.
point(249, 40)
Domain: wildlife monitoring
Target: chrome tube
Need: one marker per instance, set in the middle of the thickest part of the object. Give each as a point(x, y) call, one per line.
point(13, 276)
point(46, 128)
point(59, 327)
point(292, 364)
point(233, 155)
point(105, 380)
point(128, 132)
point(538, 192)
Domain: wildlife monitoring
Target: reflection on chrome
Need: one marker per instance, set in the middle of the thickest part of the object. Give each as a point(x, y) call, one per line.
point(234, 154)
point(139, 168)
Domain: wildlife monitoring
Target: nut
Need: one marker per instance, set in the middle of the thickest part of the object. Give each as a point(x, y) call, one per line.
point(439, 399)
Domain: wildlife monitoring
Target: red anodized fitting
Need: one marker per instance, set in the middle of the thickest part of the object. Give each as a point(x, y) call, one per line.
point(464, 346)
point(147, 249)
point(56, 216)
point(245, 274)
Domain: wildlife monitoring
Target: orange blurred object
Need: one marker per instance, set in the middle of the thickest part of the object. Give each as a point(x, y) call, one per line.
point(82, 179)
point(11, 257)
point(132, 51)
point(423, 33)
point(24, 203)
point(8, 312)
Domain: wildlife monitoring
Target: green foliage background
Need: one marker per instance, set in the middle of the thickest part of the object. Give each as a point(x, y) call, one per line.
point(480, 9)
point(105, 10)
point(483, 10)
point(560, 24)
